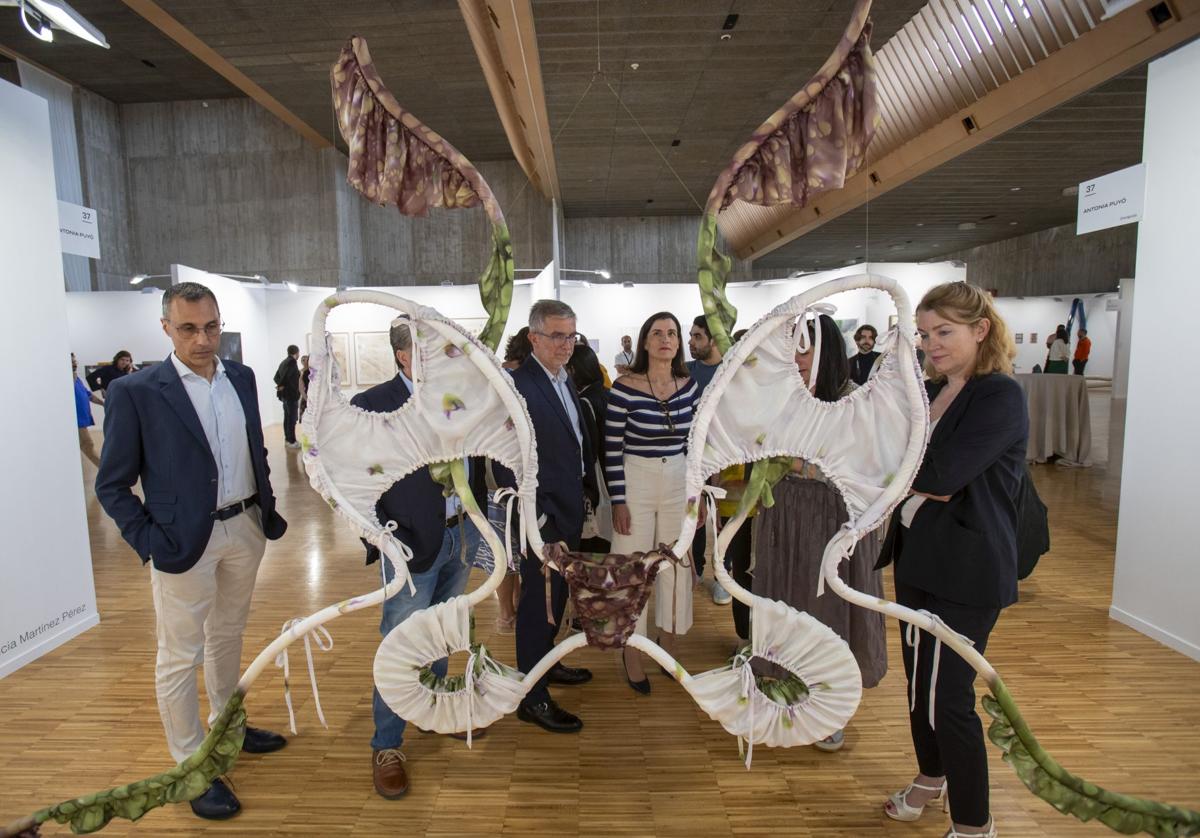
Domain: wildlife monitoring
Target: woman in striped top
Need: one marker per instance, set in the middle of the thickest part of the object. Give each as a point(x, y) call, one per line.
point(645, 442)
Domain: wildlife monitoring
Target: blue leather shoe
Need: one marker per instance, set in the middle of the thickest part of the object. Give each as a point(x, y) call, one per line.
point(259, 741)
point(216, 804)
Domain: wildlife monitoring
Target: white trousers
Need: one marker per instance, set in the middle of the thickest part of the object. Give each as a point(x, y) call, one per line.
point(201, 616)
point(655, 493)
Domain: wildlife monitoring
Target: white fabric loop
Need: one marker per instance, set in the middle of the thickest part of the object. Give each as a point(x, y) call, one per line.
point(324, 640)
point(509, 497)
point(912, 636)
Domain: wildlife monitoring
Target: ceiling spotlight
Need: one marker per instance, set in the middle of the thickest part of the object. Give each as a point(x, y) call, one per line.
point(446, 283)
point(967, 225)
point(634, 66)
point(291, 286)
point(726, 36)
point(1012, 224)
point(603, 274)
point(920, 223)
point(35, 24)
point(138, 280)
point(627, 284)
point(1014, 189)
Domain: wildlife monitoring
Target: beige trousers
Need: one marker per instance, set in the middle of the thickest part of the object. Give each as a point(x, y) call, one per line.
point(88, 446)
point(201, 616)
point(655, 489)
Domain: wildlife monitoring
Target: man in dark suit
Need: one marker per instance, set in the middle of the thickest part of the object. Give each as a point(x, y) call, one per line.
point(287, 388)
point(563, 450)
point(443, 542)
point(864, 360)
point(190, 430)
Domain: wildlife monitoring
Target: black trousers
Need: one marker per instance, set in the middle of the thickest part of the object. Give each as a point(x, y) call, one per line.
point(1079, 365)
point(737, 562)
point(954, 748)
point(534, 633)
point(291, 411)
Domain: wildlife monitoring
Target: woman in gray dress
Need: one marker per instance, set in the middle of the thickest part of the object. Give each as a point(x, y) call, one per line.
point(808, 511)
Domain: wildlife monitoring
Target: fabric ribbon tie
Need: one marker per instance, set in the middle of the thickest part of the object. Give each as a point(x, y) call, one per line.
point(469, 685)
point(319, 635)
point(508, 497)
point(803, 344)
point(396, 552)
point(748, 688)
point(912, 636)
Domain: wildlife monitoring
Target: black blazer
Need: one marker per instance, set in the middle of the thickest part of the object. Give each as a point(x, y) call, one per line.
point(152, 434)
point(562, 481)
point(415, 502)
point(965, 549)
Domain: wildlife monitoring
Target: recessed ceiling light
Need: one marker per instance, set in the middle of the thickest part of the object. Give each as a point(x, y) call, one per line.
point(1012, 224)
point(1014, 189)
point(634, 65)
point(967, 225)
point(1070, 191)
point(920, 223)
point(726, 36)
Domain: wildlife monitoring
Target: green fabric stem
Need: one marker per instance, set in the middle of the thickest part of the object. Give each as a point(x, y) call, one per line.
point(714, 268)
point(785, 691)
point(186, 781)
point(764, 474)
point(1072, 795)
point(496, 287)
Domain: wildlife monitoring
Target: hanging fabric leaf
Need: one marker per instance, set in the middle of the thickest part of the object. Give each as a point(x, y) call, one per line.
point(396, 160)
point(1072, 795)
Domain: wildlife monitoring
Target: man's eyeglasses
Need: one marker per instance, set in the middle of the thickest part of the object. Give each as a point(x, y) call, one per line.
point(559, 339)
point(189, 331)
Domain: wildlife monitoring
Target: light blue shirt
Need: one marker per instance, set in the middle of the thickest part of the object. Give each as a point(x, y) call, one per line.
point(559, 383)
point(220, 412)
point(453, 504)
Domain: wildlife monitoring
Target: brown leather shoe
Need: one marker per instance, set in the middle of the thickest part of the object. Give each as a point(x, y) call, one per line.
point(391, 780)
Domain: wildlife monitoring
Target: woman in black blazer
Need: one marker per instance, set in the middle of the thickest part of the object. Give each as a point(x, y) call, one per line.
point(955, 544)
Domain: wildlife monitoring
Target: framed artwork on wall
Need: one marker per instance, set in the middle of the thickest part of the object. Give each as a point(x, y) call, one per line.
point(1020, 337)
point(341, 354)
point(230, 348)
point(373, 360)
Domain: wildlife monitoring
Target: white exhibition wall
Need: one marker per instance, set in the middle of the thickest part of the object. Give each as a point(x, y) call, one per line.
point(1156, 583)
point(1029, 316)
point(48, 595)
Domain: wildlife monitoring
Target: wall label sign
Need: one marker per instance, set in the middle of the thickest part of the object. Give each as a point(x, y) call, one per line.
point(1111, 200)
point(78, 231)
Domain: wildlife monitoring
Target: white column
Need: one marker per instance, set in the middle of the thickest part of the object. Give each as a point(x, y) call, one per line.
point(1156, 587)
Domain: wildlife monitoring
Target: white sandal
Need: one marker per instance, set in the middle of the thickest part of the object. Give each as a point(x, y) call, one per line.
point(904, 812)
point(991, 832)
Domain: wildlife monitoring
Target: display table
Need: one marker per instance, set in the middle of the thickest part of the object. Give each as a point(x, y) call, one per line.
point(1060, 418)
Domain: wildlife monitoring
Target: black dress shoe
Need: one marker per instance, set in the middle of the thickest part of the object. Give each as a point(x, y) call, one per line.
point(642, 686)
point(568, 676)
point(259, 741)
point(216, 804)
point(549, 716)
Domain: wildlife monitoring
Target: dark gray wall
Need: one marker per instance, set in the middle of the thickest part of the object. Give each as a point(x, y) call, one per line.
point(229, 188)
point(640, 249)
point(1054, 261)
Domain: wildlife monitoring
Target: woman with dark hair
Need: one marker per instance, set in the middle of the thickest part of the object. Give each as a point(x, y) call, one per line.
point(955, 544)
point(645, 443)
point(584, 369)
point(1060, 352)
point(808, 511)
point(517, 349)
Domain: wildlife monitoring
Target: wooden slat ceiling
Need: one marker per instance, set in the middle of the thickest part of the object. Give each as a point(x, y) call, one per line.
point(690, 86)
point(1009, 186)
point(119, 73)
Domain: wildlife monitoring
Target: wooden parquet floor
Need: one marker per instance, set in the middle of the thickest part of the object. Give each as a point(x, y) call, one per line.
point(1110, 704)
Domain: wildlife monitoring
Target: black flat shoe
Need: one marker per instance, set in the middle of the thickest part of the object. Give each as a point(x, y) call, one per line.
point(641, 687)
point(216, 804)
point(549, 716)
point(259, 741)
point(568, 676)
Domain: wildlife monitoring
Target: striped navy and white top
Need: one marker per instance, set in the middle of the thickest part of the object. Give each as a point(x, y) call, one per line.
point(636, 425)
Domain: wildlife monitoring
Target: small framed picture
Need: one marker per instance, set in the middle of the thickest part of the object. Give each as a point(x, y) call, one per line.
point(1033, 337)
point(1020, 337)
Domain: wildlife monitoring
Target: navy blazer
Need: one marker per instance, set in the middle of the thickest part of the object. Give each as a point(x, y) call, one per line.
point(965, 549)
point(415, 502)
point(562, 482)
point(152, 434)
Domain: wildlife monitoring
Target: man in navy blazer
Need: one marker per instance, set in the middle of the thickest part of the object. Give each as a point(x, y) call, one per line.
point(563, 449)
point(443, 543)
point(189, 430)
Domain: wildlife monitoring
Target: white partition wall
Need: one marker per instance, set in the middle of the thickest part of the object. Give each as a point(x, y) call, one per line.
point(46, 596)
point(1156, 584)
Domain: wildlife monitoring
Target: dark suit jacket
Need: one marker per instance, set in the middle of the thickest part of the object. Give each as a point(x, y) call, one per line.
point(965, 549)
point(415, 502)
point(287, 380)
point(152, 433)
point(861, 366)
point(561, 483)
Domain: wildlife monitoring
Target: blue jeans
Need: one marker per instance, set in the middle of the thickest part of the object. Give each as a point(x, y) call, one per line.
point(445, 579)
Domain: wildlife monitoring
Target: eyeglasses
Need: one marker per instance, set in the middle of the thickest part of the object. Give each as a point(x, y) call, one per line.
point(559, 339)
point(190, 331)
